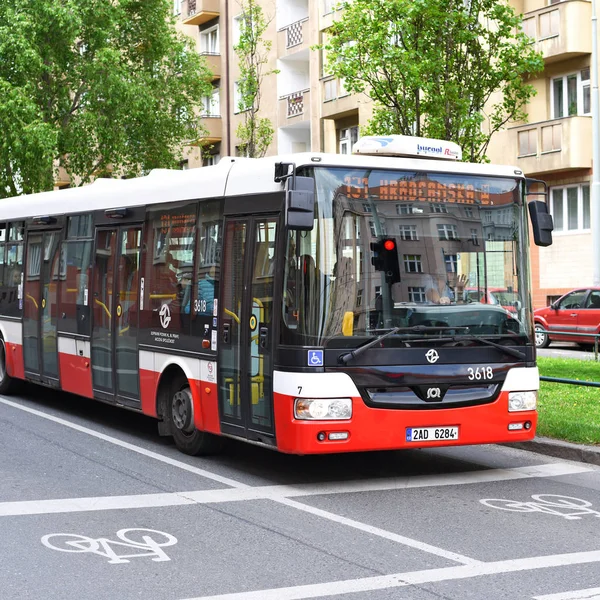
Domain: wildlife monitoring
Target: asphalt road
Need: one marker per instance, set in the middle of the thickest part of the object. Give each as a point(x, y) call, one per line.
point(93, 504)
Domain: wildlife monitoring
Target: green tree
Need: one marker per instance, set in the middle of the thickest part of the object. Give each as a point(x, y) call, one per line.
point(255, 134)
point(448, 69)
point(98, 84)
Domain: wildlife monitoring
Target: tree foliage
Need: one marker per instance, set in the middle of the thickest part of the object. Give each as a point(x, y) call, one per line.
point(448, 69)
point(100, 85)
point(255, 134)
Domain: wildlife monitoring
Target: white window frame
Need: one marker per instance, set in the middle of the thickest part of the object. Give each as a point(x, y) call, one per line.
point(412, 263)
point(582, 85)
point(416, 294)
point(212, 104)
point(348, 137)
point(408, 233)
point(206, 47)
point(563, 228)
point(447, 232)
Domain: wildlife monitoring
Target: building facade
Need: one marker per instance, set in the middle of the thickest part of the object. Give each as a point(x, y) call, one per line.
point(311, 111)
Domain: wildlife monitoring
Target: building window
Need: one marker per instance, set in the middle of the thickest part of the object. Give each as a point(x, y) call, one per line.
point(447, 232)
point(209, 40)
point(451, 261)
point(416, 294)
point(238, 105)
point(408, 233)
point(184, 165)
point(552, 138)
point(438, 208)
point(348, 137)
point(570, 94)
point(474, 238)
point(177, 7)
point(404, 209)
point(367, 208)
point(210, 160)
point(570, 208)
point(469, 212)
point(211, 105)
point(412, 263)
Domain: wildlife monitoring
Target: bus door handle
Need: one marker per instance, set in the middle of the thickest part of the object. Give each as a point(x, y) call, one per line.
point(226, 333)
point(263, 337)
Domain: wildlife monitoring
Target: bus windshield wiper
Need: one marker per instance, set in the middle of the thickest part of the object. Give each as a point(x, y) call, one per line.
point(346, 358)
point(471, 337)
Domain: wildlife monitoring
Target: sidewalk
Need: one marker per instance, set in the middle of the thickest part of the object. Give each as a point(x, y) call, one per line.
point(559, 449)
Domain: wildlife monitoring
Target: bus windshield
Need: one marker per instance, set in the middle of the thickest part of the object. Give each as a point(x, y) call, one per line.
point(409, 249)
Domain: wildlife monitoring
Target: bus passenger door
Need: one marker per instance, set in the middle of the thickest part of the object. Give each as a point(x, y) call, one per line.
point(40, 306)
point(115, 304)
point(246, 328)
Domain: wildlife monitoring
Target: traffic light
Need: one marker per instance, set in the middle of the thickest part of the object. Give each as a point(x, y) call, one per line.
point(385, 258)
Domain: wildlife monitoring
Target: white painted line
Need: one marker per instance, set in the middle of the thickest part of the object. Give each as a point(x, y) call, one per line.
point(388, 535)
point(132, 447)
point(398, 580)
point(589, 594)
point(279, 493)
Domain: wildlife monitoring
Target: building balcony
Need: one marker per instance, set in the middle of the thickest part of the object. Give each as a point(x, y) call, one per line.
point(293, 37)
point(558, 31)
point(337, 102)
point(294, 108)
point(551, 146)
point(214, 64)
point(213, 131)
point(196, 12)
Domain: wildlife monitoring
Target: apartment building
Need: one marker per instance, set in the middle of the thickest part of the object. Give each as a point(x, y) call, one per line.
point(311, 110)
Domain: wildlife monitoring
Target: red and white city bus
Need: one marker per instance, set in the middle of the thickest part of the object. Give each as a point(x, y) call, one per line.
point(310, 303)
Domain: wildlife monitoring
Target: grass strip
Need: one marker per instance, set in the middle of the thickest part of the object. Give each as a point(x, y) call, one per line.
point(569, 412)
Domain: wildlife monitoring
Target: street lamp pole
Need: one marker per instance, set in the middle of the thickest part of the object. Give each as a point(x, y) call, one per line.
point(595, 192)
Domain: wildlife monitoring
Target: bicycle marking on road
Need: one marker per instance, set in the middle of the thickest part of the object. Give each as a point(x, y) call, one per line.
point(400, 580)
point(148, 547)
point(588, 594)
point(561, 506)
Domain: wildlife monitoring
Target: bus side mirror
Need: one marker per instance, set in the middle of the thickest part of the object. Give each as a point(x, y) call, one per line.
point(299, 203)
point(541, 221)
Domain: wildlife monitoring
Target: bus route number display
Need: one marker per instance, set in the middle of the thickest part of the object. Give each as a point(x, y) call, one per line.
point(385, 187)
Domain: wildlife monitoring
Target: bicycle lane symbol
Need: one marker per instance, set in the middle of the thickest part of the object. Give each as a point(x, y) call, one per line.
point(561, 506)
point(149, 546)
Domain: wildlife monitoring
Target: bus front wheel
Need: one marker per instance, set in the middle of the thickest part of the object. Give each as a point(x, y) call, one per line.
point(188, 439)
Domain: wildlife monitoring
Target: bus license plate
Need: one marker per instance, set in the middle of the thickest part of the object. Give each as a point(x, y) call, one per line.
point(431, 434)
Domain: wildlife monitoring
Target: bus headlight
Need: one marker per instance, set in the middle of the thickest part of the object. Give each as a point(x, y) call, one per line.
point(317, 409)
point(518, 401)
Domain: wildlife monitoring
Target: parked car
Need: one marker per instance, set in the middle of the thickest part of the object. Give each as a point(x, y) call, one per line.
point(500, 296)
point(576, 312)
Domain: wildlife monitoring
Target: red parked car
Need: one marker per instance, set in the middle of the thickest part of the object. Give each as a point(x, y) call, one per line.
point(500, 296)
point(575, 312)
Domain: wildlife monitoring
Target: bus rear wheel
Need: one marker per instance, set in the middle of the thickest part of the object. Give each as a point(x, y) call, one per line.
point(188, 439)
point(7, 383)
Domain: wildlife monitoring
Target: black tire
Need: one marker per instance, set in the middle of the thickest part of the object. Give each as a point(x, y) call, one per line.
point(541, 337)
point(8, 385)
point(180, 415)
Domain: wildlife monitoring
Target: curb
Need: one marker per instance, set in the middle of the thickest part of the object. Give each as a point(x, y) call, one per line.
point(559, 449)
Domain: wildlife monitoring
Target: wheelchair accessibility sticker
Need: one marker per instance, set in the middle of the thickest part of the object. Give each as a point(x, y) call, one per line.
point(315, 358)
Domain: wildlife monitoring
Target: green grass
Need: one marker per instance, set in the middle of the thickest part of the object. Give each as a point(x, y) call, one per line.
point(569, 412)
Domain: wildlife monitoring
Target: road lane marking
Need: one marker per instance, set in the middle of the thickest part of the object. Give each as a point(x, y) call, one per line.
point(589, 594)
point(278, 493)
point(281, 494)
point(399, 580)
point(128, 446)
